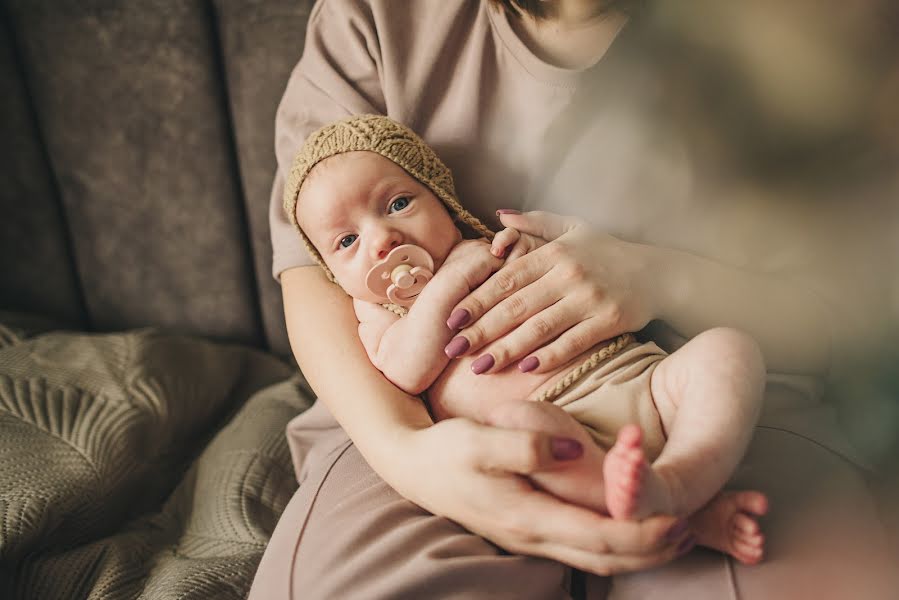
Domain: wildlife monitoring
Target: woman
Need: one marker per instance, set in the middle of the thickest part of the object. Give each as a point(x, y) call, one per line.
point(540, 106)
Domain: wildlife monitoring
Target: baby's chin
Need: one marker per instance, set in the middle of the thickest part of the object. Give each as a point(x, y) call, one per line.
point(365, 295)
point(369, 297)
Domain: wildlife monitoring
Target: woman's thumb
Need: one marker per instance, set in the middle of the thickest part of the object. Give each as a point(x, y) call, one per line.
point(539, 223)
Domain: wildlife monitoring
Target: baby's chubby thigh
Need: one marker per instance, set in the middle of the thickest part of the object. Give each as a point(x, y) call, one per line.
point(718, 373)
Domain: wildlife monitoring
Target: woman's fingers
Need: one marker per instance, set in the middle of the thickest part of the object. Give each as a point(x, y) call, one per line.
point(509, 314)
point(587, 530)
point(591, 542)
point(542, 224)
point(536, 331)
point(606, 564)
point(649, 536)
point(507, 280)
point(571, 343)
point(493, 449)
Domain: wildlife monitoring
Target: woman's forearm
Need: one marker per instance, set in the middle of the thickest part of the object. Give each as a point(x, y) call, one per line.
point(791, 324)
point(322, 328)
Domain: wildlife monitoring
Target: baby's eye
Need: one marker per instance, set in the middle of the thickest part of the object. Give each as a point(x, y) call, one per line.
point(347, 241)
point(398, 204)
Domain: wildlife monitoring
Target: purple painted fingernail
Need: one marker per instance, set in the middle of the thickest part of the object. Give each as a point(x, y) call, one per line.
point(507, 211)
point(458, 319)
point(686, 545)
point(529, 364)
point(483, 363)
point(457, 346)
point(565, 448)
point(676, 530)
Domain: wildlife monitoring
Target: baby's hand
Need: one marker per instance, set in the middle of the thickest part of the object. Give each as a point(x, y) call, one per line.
point(470, 260)
point(511, 244)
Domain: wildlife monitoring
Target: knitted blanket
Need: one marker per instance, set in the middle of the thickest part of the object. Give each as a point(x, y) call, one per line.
point(138, 464)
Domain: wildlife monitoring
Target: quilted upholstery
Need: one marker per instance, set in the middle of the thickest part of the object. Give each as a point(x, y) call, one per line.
point(98, 430)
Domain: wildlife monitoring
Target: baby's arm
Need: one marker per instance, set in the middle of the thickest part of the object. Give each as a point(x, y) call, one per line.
point(409, 351)
point(373, 322)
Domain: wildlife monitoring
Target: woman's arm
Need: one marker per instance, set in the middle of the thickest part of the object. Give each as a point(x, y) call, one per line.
point(586, 286)
point(322, 329)
point(463, 470)
point(790, 323)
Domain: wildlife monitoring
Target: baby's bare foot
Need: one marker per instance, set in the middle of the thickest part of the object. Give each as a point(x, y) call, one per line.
point(633, 490)
point(729, 523)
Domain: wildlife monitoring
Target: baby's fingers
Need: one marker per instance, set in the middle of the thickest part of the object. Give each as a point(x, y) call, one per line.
point(503, 240)
point(526, 243)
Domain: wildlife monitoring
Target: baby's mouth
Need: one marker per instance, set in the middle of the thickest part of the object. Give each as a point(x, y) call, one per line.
point(401, 275)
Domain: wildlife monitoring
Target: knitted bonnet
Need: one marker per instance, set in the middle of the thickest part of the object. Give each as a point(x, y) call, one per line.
point(393, 141)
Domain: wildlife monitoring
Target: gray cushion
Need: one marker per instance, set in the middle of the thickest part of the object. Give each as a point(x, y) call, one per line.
point(142, 163)
point(97, 431)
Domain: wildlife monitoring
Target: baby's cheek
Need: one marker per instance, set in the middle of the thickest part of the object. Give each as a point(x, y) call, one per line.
point(448, 245)
point(343, 281)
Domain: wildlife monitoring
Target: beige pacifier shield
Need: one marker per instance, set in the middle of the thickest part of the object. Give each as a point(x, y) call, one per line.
point(401, 275)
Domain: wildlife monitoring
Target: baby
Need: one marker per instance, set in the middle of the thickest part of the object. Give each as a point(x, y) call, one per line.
point(377, 209)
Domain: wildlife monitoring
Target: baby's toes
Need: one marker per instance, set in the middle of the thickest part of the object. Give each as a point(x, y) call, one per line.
point(749, 546)
point(748, 552)
point(755, 503)
point(629, 436)
point(744, 524)
point(630, 469)
point(624, 471)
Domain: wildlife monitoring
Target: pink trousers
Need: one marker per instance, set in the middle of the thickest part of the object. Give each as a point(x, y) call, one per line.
point(346, 534)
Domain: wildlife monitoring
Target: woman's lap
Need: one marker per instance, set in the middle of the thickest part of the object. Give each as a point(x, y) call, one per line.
point(347, 534)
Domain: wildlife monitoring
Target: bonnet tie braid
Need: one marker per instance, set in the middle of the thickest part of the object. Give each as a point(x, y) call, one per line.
point(608, 351)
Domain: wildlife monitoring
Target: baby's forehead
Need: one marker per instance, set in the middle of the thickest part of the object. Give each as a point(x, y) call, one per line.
point(343, 176)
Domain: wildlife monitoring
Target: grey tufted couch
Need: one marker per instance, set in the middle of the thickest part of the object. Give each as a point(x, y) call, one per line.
point(135, 169)
point(137, 161)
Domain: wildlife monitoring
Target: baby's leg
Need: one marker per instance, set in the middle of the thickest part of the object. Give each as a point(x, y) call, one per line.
point(578, 481)
point(709, 395)
point(729, 522)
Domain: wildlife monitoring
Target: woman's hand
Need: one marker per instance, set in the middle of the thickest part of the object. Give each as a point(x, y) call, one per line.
point(475, 475)
point(558, 300)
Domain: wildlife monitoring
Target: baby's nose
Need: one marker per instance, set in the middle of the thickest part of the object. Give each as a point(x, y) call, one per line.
point(391, 240)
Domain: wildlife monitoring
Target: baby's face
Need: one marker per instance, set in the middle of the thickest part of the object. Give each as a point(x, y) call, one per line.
point(356, 207)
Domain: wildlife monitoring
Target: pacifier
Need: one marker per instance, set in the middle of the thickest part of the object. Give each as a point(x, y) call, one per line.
point(401, 275)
